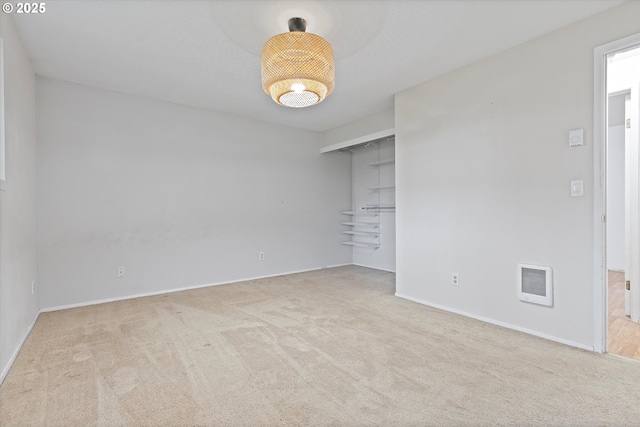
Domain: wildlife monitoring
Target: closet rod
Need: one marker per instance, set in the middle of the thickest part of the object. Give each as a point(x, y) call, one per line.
point(366, 208)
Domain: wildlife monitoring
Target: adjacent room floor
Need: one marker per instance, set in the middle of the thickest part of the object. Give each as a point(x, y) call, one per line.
point(623, 335)
point(327, 347)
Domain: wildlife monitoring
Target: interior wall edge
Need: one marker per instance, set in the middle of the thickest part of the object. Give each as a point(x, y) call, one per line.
point(10, 362)
point(18, 199)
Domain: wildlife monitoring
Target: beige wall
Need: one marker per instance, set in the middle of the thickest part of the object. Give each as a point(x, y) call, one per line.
point(18, 209)
point(483, 169)
point(179, 196)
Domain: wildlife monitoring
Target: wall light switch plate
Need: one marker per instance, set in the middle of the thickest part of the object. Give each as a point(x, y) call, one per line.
point(577, 188)
point(576, 137)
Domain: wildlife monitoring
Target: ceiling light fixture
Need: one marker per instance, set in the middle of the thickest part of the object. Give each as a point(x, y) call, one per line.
point(297, 67)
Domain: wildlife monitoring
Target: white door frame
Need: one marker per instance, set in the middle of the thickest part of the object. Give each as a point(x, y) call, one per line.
point(599, 186)
point(631, 134)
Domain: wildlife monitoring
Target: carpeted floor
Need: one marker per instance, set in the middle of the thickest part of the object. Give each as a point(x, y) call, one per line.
point(329, 347)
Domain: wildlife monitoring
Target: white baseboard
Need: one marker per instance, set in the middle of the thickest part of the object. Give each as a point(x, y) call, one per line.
point(374, 268)
point(498, 323)
point(170, 291)
point(6, 369)
point(337, 265)
point(624, 358)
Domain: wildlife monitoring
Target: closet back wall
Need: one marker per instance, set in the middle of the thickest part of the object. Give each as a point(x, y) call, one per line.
point(179, 197)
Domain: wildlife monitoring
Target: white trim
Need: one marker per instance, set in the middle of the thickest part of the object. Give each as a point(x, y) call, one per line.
point(3, 131)
point(359, 140)
point(599, 203)
point(599, 188)
point(498, 323)
point(6, 369)
point(336, 265)
point(170, 291)
point(374, 268)
point(625, 358)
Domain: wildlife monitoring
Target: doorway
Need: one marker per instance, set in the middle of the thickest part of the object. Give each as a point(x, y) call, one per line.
point(622, 191)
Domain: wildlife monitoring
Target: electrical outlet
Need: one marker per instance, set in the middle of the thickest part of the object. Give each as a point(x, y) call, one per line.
point(33, 287)
point(455, 279)
point(261, 256)
point(120, 273)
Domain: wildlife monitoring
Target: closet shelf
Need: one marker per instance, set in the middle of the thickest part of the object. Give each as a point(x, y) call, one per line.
point(362, 233)
point(363, 213)
point(382, 162)
point(361, 224)
point(361, 244)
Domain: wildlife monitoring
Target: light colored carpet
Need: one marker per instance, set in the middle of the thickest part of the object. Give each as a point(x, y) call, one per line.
point(330, 347)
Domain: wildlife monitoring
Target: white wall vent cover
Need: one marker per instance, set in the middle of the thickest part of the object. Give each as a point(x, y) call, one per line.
point(535, 284)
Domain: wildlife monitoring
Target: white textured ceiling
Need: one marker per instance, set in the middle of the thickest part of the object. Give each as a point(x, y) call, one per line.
point(207, 53)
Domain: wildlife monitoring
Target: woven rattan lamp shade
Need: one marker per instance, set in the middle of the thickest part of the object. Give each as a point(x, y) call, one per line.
point(297, 68)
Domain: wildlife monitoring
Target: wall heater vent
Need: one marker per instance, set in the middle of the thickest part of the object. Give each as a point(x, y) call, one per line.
point(535, 284)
